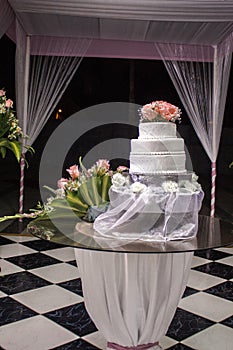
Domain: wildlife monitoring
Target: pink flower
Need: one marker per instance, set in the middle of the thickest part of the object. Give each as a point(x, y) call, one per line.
point(148, 111)
point(9, 103)
point(61, 183)
point(73, 171)
point(167, 110)
point(2, 93)
point(162, 109)
point(122, 168)
point(103, 163)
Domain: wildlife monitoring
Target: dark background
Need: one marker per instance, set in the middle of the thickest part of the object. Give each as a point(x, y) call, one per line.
point(101, 80)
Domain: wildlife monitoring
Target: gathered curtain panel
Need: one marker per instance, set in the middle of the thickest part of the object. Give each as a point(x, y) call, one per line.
point(40, 83)
point(202, 87)
point(6, 16)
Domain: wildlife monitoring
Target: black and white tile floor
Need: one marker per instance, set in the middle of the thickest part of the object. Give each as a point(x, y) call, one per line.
point(42, 305)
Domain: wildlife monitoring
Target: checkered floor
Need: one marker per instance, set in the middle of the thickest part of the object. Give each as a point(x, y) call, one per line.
point(42, 306)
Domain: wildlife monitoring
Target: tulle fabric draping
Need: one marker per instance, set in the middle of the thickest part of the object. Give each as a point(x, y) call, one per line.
point(135, 295)
point(41, 81)
point(202, 83)
point(150, 216)
point(6, 16)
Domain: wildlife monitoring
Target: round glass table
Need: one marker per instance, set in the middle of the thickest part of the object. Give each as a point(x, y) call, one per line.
point(132, 288)
point(212, 233)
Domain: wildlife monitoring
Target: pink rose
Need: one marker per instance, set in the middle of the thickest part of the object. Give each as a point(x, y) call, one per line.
point(167, 110)
point(73, 171)
point(2, 93)
point(122, 168)
point(9, 103)
point(103, 163)
point(148, 111)
point(61, 183)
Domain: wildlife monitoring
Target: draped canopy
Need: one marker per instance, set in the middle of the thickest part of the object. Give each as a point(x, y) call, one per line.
point(194, 39)
point(120, 28)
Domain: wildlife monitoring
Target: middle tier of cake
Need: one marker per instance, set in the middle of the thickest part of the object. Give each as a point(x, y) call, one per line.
point(157, 163)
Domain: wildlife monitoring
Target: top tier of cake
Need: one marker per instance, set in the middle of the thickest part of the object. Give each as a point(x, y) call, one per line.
point(157, 130)
point(157, 150)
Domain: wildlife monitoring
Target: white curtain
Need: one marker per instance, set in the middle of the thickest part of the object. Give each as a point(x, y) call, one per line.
point(40, 83)
point(6, 16)
point(202, 86)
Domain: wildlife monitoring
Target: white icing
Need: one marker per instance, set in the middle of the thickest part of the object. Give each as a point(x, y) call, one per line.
point(160, 145)
point(157, 150)
point(157, 164)
point(157, 130)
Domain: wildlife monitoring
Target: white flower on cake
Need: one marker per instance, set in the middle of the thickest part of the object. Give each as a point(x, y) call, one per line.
point(118, 180)
point(138, 187)
point(194, 177)
point(159, 111)
point(170, 186)
point(190, 186)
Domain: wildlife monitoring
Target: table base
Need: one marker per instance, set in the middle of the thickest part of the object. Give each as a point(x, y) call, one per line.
point(132, 298)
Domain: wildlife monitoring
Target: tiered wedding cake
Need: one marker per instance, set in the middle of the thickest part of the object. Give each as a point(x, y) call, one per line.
point(157, 150)
point(159, 199)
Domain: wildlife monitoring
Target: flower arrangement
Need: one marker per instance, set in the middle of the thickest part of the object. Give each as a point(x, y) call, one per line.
point(10, 132)
point(85, 192)
point(123, 183)
point(159, 111)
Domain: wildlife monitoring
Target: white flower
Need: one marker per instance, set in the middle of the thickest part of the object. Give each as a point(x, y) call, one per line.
point(137, 187)
point(190, 186)
point(194, 177)
point(118, 180)
point(60, 193)
point(170, 186)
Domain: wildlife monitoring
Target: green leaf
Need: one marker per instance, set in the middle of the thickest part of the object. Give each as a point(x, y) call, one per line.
point(50, 189)
point(3, 130)
point(64, 206)
point(13, 146)
point(106, 183)
point(85, 194)
point(95, 183)
point(82, 166)
point(74, 200)
point(3, 151)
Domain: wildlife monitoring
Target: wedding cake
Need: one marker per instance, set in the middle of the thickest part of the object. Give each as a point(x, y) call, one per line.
point(157, 150)
point(158, 199)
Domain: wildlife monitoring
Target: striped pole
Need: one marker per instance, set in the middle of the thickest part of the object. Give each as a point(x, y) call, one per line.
point(21, 185)
point(213, 189)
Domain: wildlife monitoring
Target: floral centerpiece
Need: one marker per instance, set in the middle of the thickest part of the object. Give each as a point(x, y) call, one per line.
point(10, 132)
point(159, 111)
point(84, 192)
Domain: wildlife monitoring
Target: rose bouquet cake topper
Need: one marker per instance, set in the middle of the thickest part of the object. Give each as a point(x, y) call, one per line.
point(159, 111)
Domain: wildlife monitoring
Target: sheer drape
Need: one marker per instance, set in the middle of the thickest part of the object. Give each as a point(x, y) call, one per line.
point(6, 16)
point(135, 295)
point(40, 83)
point(202, 86)
point(38, 95)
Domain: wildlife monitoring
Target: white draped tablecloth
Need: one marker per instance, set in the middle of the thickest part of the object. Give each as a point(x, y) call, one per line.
point(132, 297)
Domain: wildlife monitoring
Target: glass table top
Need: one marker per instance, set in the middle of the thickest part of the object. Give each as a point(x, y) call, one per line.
point(212, 233)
